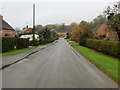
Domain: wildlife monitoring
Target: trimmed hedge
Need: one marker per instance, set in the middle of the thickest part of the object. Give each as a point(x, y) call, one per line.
point(22, 43)
point(0, 44)
point(107, 47)
point(8, 43)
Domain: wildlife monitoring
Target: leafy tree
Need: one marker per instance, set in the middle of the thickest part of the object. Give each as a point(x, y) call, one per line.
point(59, 28)
point(46, 33)
point(38, 27)
point(23, 28)
point(98, 21)
point(73, 23)
point(113, 17)
point(82, 39)
point(68, 35)
point(85, 25)
point(54, 34)
point(86, 34)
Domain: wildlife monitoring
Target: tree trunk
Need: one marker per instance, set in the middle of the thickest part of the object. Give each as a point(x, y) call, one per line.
point(118, 32)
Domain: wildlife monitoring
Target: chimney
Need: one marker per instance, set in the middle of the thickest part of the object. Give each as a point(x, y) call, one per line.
point(1, 17)
point(27, 27)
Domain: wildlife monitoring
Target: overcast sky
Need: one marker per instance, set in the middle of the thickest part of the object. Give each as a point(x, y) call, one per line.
point(19, 14)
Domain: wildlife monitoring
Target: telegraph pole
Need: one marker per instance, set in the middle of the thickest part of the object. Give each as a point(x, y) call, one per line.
point(33, 21)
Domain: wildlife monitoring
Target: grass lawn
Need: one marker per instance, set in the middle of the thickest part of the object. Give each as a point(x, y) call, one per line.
point(105, 63)
point(14, 52)
point(73, 43)
point(68, 40)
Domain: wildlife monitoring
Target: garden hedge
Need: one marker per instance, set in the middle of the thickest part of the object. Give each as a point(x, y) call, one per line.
point(49, 40)
point(107, 47)
point(41, 41)
point(8, 43)
point(44, 41)
point(34, 42)
point(22, 43)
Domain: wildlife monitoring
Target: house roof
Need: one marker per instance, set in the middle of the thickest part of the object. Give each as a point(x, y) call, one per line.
point(96, 28)
point(28, 30)
point(6, 26)
point(102, 29)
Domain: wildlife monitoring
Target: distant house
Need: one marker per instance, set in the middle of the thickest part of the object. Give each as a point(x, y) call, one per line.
point(27, 30)
point(62, 34)
point(111, 35)
point(63, 31)
point(103, 32)
point(6, 29)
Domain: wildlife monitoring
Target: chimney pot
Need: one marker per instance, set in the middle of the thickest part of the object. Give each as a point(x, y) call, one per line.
point(1, 17)
point(26, 26)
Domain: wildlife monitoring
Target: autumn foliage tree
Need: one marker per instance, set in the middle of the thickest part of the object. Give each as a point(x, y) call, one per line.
point(76, 31)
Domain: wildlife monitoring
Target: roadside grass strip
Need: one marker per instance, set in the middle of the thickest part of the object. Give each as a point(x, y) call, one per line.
point(68, 40)
point(105, 63)
point(14, 52)
point(73, 43)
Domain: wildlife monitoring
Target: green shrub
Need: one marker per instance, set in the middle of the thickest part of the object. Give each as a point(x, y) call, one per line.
point(42, 41)
point(49, 40)
point(0, 44)
point(22, 43)
point(57, 38)
point(68, 35)
point(83, 36)
point(106, 47)
point(34, 42)
point(96, 37)
point(8, 43)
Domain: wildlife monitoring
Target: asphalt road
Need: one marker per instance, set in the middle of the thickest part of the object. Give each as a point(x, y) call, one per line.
point(56, 66)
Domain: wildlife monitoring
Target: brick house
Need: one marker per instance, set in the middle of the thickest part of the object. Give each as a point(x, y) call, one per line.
point(6, 29)
point(103, 32)
point(27, 30)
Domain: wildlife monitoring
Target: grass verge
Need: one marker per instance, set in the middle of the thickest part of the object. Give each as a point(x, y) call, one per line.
point(68, 40)
point(14, 52)
point(105, 63)
point(73, 43)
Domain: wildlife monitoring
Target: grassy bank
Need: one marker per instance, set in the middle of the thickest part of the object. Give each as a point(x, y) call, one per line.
point(105, 63)
point(14, 52)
